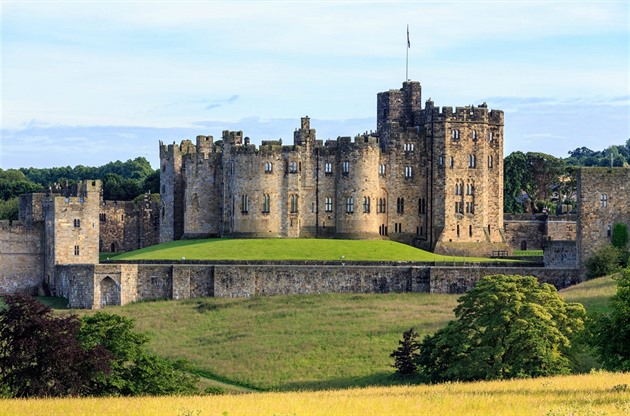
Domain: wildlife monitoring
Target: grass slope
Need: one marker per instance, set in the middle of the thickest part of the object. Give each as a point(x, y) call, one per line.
point(590, 394)
point(306, 341)
point(288, 249)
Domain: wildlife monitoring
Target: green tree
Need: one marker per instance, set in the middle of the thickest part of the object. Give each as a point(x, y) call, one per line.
point(134, 371)
point(39, 352)
point(9, 209)
point(609, 335)
point(620, 236)
point(505, 327)
point(406, 354)
point(604, 261)
point(517, 181)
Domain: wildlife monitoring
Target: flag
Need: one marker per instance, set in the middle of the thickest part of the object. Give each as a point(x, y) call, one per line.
point(408, 42)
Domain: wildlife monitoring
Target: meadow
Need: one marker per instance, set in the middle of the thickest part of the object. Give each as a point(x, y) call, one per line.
point(305, 342)
point(289, 249)
point(589, 394)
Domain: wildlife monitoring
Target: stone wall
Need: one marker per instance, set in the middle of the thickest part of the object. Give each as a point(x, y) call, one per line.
point(21, 257)
point(532, 232)
point(461, 279)
point(561, 254)
point(128, 225)
point(603, 199)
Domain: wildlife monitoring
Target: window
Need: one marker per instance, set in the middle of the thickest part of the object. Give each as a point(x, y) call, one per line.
point(382, 229)
point(490, 162)
point(244, 204)
point(268, 167)
point(408, 147)
point(472, 161)
point(422, 206)
point(103, 217)
point(329, 205)
point(452, 162)
point(294, 203)
point(400, 205)
point(491, 137)
point(77, 223)
point(345, 167)
point(441, 161)
point(350, 205)
point(266, 205)
point(458, 189)
point(608, 232)
point(459, 207)
point(293, 167)
point(604, 200)
point(455, 134)
point(76, 250)
point(408, 172)
point(474, 135)
point(470, 230)
point(470, 189)
point(398, 227)
point(382, 206)
point(328, 168)
point(381, 169)
point(366, 204)
point(457, 230)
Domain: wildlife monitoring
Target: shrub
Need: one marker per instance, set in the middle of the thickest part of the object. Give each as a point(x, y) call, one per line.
point(604, 261)
point(406, 353)
point(620, 236)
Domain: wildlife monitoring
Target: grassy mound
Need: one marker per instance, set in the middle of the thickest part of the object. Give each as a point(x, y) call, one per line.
point(306, 341)
point(288, 249)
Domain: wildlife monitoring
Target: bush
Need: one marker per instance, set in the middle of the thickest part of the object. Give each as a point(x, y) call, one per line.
point(620, 236)
point(604, 261)
point(609, 335)
point(506, 327)
point(406, 354)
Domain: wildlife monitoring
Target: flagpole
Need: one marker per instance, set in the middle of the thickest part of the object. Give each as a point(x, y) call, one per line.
point(407, 60)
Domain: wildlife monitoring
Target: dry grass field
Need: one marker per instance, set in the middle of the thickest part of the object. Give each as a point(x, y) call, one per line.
point(589, 395)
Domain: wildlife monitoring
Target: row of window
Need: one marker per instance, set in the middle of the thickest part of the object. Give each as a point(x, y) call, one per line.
point(328, 204)
point(455, 135)
point(295, 167)
point(459, 188)
point(472, 161)
point(469, 206)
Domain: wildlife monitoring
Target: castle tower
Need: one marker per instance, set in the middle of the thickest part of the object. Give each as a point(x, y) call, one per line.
point(71, 230)
point(399, 106)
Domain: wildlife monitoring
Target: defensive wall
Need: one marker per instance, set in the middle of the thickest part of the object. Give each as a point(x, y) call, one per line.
point(95, 286)
point(533, 231)
point(21, 257)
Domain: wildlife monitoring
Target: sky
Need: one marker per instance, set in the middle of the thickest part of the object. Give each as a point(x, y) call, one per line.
point(85, 83)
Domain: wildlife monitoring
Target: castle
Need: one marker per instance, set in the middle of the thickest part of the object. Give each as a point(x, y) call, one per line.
point(429, 177)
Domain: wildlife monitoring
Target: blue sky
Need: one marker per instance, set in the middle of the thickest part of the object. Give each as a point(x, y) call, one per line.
point(91, 82)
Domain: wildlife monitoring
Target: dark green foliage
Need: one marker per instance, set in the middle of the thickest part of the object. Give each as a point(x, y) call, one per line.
point(9, 209)
point(604, 261)
point(620, 236)
point(586, 157)
point(609, 335)
point(134, 371)
point(506, 327)
point(406, 354)
point(13, 183)
point(517, 177)
point(122, 181)
point(40, 355)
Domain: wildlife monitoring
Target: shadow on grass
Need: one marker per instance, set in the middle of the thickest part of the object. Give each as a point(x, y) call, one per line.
point(381, 379)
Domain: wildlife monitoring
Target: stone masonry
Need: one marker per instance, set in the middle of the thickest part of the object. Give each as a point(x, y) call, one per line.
point(429, 177)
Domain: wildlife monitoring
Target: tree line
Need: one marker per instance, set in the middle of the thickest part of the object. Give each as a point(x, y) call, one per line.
point(122, 181)
point(536, 182)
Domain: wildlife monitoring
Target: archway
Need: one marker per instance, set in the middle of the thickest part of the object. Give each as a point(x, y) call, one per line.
point(110, 292)
point(523, 245)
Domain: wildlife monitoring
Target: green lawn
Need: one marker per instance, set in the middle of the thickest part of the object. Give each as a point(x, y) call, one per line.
point(289, 249)
point(306, 341)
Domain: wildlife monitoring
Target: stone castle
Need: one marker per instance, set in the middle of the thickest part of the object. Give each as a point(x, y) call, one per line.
point(429, 177)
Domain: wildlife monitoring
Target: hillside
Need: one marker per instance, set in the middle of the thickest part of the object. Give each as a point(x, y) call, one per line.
point(308, 341)
point(287, 249)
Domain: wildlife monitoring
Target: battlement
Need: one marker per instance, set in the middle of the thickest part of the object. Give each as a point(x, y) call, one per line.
point(232, 138)
point(471, 113)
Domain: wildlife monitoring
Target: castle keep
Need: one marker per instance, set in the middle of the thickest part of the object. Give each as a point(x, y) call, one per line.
point(429, 177)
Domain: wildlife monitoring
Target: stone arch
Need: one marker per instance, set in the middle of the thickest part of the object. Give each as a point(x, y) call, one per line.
point(523, 245)
point(110, 292)
point(114, 247)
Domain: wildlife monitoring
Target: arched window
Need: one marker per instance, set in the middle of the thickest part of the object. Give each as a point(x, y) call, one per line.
point(366, 204)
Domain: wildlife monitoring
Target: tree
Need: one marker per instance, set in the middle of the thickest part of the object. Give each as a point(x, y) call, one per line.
point(39, 352)
point(406, 354)
point(134, 371)
point(517, 180)
point(620, 236)
point(604, 261)
point(609, 335)
point(505, 327)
